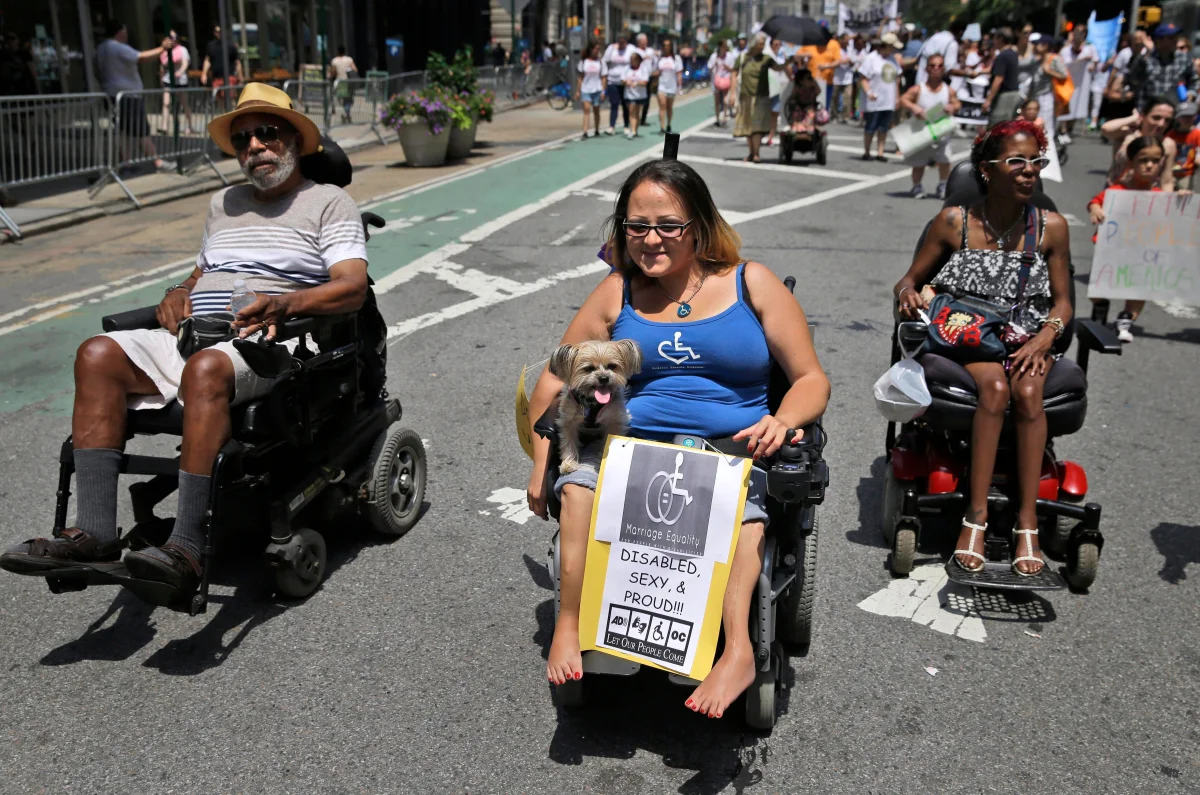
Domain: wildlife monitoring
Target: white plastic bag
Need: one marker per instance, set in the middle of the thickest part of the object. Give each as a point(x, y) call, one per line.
point(901, 394)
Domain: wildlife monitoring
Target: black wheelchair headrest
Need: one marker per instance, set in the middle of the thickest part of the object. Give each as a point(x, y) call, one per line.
point(961, 190)
point(329, 166)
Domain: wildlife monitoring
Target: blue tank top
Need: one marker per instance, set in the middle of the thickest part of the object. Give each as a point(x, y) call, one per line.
point(702, 377)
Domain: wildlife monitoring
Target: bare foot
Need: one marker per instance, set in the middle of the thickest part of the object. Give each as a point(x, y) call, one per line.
point(732, 674)
point(564, 661)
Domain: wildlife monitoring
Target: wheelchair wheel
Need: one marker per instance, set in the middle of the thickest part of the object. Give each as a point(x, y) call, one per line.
point(904, 549)
point(796, 617)
point(397, 484)
point(299, 580)
point(760, 697)
point(822, 157)
point(893, 497)
point(1082, 563)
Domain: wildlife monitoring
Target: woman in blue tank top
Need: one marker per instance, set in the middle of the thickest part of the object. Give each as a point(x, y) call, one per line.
point(709, 326)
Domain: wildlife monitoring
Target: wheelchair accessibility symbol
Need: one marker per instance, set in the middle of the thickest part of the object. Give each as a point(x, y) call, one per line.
point(665, 501)
point(683, 351)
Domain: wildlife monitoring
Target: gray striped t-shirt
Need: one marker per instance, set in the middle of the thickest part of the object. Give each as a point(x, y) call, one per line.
point(277, 246)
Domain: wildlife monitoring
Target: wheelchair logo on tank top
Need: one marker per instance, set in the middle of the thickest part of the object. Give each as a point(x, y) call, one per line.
point(676, 352)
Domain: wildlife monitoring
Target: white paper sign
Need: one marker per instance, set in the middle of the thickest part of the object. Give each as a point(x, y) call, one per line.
point(1052, 172)
point(653, 604)
point(918, 134)
point(676, 499)
point(1148, 248)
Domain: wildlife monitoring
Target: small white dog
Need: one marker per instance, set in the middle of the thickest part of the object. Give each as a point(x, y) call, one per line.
point(592, 402)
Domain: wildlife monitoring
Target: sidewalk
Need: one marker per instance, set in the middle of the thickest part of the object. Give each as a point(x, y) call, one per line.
point(45, 207)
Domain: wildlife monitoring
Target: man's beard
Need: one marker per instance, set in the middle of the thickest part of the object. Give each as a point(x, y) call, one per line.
point(284, 164)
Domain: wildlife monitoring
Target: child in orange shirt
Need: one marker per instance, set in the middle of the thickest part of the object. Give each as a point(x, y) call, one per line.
point(1186, 136)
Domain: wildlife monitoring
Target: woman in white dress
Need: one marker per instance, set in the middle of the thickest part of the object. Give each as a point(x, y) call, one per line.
point(670, 76)
point(590, 89)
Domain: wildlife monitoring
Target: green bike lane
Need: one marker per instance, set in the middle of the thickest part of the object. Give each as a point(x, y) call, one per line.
point(38, 354)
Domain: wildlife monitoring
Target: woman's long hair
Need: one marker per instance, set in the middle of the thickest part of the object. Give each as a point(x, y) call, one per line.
point(717, 243)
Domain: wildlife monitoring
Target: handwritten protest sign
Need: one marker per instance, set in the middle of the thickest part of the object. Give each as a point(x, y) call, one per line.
point(665, 523)
point(1148, 248)
point(918, 134)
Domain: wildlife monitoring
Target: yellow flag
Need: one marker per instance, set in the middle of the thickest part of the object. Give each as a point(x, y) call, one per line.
point(524, 424)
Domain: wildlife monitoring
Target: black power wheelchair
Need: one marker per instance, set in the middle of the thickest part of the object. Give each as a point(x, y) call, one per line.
point(322, 446)
point(929, 457)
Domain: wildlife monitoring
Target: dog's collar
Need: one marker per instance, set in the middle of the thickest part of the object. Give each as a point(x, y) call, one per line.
point(591, 417)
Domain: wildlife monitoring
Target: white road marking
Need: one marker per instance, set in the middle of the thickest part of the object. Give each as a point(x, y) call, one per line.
point(564, 239)
point(857, 150)
point(928, 598)
point(1072, 219)
point(815, 171)
point(402, 329)
point(512, 505)
point(707, 134)
point(1177, 309)
point(599, 193)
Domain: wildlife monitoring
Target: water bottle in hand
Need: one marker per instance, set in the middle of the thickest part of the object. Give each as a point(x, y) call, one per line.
point(242, 297)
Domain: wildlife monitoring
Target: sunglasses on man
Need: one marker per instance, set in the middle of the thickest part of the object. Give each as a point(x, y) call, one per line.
point(266, 134)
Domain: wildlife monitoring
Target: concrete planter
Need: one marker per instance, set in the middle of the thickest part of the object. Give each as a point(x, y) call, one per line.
point(421, 147)
point(461, 141)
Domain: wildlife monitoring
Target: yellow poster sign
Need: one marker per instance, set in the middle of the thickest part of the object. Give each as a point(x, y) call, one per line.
point(524, 423)
point(664, 527)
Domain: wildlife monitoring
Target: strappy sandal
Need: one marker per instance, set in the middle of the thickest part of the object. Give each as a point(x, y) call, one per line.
point(970, 550)
point(1032, 558)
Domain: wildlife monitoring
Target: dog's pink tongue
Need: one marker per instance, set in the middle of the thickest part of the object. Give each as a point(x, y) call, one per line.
point(603, 395)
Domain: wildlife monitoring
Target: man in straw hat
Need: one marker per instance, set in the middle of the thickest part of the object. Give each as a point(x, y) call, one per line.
point(298, 246)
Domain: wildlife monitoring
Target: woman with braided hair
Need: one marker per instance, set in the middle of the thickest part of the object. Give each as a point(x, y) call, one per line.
point(977, 251)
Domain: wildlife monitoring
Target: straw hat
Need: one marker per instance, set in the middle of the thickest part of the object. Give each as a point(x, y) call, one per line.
point(262, 98)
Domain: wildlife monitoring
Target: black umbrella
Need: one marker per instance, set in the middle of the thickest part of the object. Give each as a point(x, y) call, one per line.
point(801, 31)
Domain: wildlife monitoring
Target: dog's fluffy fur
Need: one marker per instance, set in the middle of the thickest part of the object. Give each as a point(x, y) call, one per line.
point(589, 371)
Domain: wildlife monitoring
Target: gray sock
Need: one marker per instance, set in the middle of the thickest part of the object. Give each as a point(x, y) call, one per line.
point(97, 472)
point(190, 518)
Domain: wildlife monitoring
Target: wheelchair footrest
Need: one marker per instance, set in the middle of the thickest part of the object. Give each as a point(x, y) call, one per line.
point(1001, 576)
point(155, 593)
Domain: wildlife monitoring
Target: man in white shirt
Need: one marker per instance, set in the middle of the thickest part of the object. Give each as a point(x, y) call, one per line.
point(945, 44)
point(117, 64)
point(650, 56)
point(880, 78)
point(843, 79)
point(1081, 59)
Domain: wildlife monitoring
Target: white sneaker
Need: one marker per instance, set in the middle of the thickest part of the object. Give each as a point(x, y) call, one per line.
point(1125, 327)
point(629, 135)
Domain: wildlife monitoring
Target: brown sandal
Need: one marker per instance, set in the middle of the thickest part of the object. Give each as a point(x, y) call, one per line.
point(69, 548)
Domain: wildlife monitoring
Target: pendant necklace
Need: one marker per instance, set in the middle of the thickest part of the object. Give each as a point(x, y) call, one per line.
point(1000, 239)
point(685, 307)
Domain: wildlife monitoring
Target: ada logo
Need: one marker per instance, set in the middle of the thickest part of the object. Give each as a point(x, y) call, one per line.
point(678, 354)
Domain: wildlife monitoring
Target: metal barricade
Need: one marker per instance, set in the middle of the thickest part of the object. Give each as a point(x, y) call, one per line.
point(168, 125)
point(49, 137)
point(358, 100)
point(310, 95)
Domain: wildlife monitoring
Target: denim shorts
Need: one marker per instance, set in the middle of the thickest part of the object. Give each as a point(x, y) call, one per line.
point(588, 475)
point(877, 121)
point(591, 97)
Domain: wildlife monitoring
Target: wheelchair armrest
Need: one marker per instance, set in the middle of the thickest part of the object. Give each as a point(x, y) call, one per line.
point(1096, 336)
point(911, 335)
point(547, 424)
point(144, 318)
point(369, 220)
point(311, 324)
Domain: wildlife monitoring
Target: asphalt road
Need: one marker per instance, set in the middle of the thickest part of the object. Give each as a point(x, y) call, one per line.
point(418, 666)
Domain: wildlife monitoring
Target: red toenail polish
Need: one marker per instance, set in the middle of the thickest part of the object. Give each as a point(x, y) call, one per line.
point(578, 675)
